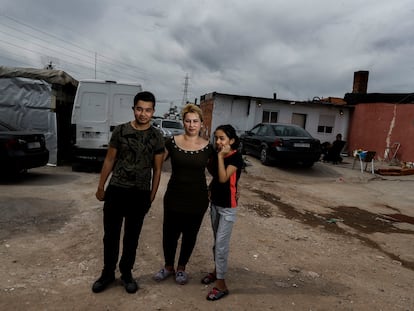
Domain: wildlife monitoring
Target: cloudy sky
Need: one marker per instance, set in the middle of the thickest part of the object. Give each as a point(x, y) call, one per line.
point(298, 49)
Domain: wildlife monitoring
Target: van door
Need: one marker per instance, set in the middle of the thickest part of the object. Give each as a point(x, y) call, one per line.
point(121, 104)
point(92, 116)
point(99, 107)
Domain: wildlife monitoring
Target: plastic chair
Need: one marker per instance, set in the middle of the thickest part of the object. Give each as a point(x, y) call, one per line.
point(366, 157)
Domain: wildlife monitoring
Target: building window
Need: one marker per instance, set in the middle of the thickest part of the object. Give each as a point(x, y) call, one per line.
point(326, 124)
point(269, 116)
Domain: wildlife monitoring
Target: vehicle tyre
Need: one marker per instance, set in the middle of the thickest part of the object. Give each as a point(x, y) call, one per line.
point(307, 164)
point(77, 167)
point(264, 157)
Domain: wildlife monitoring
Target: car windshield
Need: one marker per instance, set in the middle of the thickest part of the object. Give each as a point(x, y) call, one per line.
point(291, 131)
point(172, 124)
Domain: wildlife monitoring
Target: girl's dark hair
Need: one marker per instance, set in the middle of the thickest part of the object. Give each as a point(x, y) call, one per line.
point(231, 133)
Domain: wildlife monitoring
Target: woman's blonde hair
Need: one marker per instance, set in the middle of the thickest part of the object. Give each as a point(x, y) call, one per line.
point(193, 109)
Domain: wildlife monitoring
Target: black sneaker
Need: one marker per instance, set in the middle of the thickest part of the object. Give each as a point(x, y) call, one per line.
point(130, 284)
point(103, 282)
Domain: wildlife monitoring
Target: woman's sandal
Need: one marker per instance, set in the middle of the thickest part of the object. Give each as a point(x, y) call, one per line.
point(208, 279)
point(216, 294)
point(163, 274)
point(181, 277)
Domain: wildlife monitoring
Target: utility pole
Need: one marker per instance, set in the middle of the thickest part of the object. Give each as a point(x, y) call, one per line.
point(185, 91)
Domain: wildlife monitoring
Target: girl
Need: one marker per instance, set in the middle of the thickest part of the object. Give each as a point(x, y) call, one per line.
point(225, 167)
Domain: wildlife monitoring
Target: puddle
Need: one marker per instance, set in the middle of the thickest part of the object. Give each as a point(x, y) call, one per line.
point(263, 210)
point(400, 218)
point(360, 220)
point(365, 221)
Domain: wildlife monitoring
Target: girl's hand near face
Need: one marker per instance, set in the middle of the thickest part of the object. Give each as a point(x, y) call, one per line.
point(224, 150)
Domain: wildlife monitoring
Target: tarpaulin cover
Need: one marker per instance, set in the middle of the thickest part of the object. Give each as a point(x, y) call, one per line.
point(27, 104)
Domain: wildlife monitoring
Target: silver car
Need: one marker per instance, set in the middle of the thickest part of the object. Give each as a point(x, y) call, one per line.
point(169, 127)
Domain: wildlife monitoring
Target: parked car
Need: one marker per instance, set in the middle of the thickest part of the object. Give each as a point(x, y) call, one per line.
point(169, 127)
point(281, 143)
point(21, 150)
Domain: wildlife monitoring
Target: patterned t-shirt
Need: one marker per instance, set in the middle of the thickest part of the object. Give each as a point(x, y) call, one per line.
point(135, 155)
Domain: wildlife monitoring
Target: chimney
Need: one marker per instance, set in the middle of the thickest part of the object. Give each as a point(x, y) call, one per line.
point(360, 82)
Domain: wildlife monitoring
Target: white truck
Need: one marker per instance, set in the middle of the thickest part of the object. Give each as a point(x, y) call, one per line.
point(98, 107)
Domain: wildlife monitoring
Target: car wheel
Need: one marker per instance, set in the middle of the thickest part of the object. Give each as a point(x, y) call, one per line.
point(264, 157)
point(307, 164)
point(77, 167)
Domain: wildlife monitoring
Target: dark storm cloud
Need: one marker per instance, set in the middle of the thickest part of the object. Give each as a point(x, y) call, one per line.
point(298, 49)
point(40, 13)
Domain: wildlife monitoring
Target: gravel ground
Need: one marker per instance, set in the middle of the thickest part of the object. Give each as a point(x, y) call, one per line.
point(325, 238)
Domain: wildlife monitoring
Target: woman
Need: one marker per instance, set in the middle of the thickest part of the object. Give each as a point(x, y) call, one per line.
point(225, 168)
point(186, 198)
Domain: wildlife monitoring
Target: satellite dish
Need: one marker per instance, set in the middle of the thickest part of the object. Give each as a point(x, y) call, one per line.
point(49, 62)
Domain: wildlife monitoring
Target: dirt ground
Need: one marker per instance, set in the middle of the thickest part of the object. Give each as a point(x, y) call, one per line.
point(325, 238)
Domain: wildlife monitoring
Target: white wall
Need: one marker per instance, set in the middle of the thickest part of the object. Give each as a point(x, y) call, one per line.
point(232, 111)
point(312, 112)
point(244, 113)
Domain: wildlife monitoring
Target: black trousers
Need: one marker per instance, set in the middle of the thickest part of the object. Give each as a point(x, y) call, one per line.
point(128, 206)
point(176, 224)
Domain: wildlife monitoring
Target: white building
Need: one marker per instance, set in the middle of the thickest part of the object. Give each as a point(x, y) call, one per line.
point(322, 118)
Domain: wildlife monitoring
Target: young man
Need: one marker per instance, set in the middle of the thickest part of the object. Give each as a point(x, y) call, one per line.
point(135, 157)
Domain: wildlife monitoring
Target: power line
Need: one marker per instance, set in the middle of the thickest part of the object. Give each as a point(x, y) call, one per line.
point(30, 44)
point(14, 60)
point(44, 32)
point(48, 49)
point(31, 35)
point(102, 60)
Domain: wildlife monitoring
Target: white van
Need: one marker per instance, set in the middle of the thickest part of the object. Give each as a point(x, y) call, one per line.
point(98, 107)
